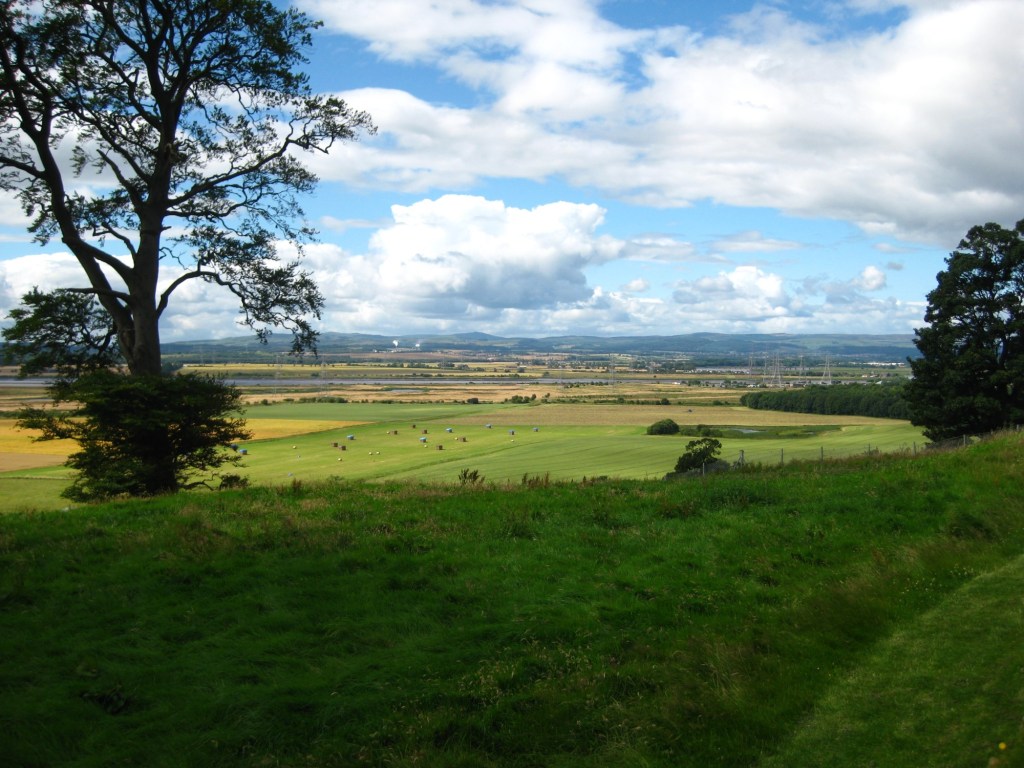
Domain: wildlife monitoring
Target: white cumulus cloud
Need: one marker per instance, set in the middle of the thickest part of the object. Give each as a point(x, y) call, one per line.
point(461, 256)
point(913, 130)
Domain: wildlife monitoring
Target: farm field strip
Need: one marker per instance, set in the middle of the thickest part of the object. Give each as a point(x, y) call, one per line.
point(296, 441)
point(397, 451)
point(645, 415)
point(14, 440)
point(268, 429)
point(563, 454)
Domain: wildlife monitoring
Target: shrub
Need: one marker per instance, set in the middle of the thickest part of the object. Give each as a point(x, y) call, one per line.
point(470, 477)
point(663, 427)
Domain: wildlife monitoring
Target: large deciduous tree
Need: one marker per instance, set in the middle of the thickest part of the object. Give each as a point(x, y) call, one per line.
point(142, 133)
point(970, 376)
point(145, 131)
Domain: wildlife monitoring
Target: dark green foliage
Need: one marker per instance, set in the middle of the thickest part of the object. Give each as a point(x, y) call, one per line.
point(970, 376)
point(64, 331)
point(698, 454)
point(142, 435)
point(663, 427)
point(522, 399)
point(883, 401)
point(470, 477)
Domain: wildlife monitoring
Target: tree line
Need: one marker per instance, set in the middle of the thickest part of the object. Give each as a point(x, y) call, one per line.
point(883, 401)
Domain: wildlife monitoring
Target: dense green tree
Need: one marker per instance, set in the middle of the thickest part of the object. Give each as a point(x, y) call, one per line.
point(698, 454)
point(970, 376)
point(884, 400)
point(663, 427)
point(172, 437)
point(189, 117)
point(63, 331)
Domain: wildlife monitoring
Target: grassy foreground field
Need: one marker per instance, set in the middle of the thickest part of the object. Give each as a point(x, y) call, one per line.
point(842, 614)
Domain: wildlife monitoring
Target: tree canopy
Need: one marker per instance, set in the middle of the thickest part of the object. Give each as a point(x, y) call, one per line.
point(883, 401)
point(172, 437)
point(663, 427)
point(698, 454)
point(970, 376)
point(154, 131)
point(145, 134)
point(63, 331)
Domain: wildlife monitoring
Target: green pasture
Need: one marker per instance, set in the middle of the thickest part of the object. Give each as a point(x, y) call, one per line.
point(370, 412)
point(557, 442)
point(38, 489)
point(885, 711)
point(504, 443)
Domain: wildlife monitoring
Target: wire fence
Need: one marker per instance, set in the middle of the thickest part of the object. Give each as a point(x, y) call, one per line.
point(764, 457)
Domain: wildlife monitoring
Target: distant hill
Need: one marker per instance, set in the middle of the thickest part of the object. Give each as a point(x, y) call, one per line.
point(711, 348)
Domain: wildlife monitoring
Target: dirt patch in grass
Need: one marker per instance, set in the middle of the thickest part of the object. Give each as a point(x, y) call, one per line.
point(18, 450)
point(10, 462)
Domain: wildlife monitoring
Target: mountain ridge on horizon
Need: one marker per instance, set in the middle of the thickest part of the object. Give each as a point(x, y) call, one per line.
point(886, 347)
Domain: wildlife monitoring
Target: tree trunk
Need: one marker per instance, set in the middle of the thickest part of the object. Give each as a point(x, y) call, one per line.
point(143, 352)
point(144, 355)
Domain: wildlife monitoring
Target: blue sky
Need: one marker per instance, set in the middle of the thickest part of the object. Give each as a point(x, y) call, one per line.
point(620, 167)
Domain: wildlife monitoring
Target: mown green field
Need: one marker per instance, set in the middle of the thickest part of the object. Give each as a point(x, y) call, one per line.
point(504, 443)
point(412, 441)
point(844, 614)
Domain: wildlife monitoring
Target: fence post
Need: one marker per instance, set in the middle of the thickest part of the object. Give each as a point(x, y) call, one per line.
point(782, 455)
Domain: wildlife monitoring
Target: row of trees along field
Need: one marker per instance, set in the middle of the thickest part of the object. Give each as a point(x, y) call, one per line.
point(884, 401)
point(196, 114)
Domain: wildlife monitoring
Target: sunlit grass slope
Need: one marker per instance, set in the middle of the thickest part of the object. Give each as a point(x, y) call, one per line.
point(725, 621)
point(962, 656)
